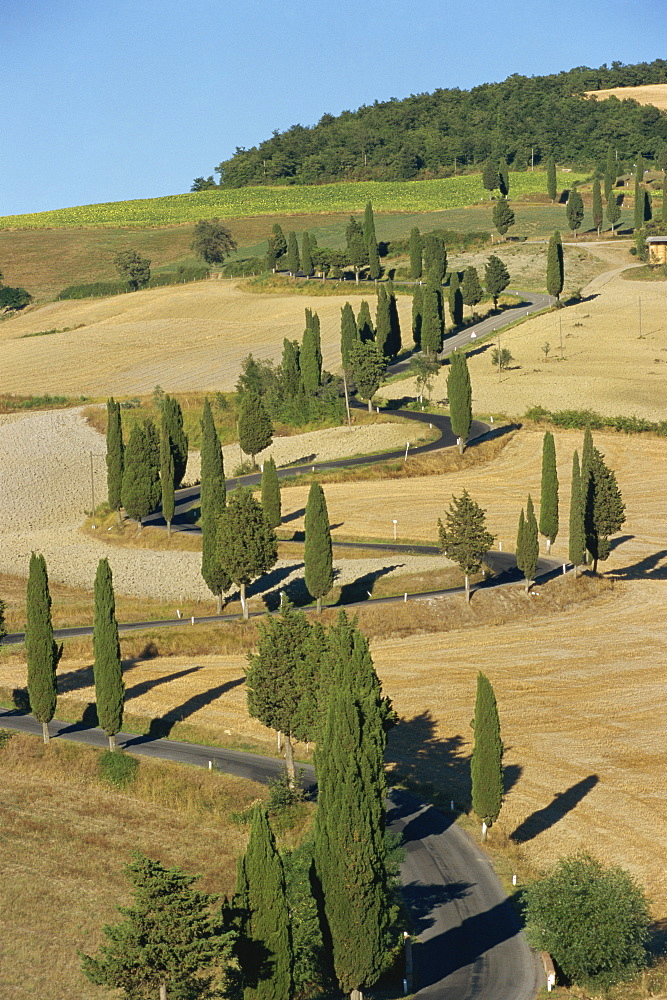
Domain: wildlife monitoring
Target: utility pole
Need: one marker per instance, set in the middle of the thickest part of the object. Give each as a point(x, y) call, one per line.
point(347, 399)
point(560, 327)
point(532, 158)
point(92, 485)
point(640, 316)
point(500, 367)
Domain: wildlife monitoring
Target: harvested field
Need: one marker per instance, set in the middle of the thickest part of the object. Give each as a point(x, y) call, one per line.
point(183, 338)
point(650, 93)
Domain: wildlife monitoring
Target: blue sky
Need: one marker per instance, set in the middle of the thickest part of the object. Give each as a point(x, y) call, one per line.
point(131, 99)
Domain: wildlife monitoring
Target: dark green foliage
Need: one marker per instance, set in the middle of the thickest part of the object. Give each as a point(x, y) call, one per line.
point(365, 328)
point(172, 425)
point(271, 493)
point(415, 250)
point(318, 555)
point(368, 368)
point(605, 510)
point(471, 288)
point(311, 961)
point(455, 300)
point(291, 383)
point(555, 266)
point(115, 453)
point(277, 245)
point(203, 183)
point(639, 193)
point(213, 494)
point(310, 356)
point(435, 258)
point(348, 333)
point(246, 544)
point(374, 269)
point(664, 200)
point(167, 482)
point(577, 544)
point(574, 210)
point(107, 668)
point(13, 299)
point(552, 189)
point(383, 322)
point(528, 546)
point(611, 168)
point(357, 248)
point(212, 241)
point(503, 216)
point(422, 134)
point(459, 392)
point(417, 314)
point(582, 418)
point(593, 920)
point(598, 214)
point(394, 345)
point(117, 769)
point(306, 257)
point(431, 324)
point(424, 371)
point(609, 184)
point(267, 968)
point(134, 268)
point(486, 764)
point(42, 653)
point(496, 278)
point(549, 491)
point(171, 937)
point(490, 176)
point(504, 174)
point(464, 537)
point(255, 427)
point(350, 853)
point(141, 472)
point(102, 289)
point(613, 210)
point(292, 261)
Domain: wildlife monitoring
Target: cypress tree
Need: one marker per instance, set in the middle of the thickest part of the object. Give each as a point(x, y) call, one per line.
point(115, 453)
point(269, 975)
point(213, 498)
point(417, 315)
point(368, 368)
point(496, 278)
point(357, 247)
point(435, 258)
point(365, 330)
point(415, 251)
point(490, 176)
point(503, 216)
point(555, 266)
point(255, 427)
point(605, 512)
point(141, 473)
point(310, 356)
point(271, 493)
point(609, 184)
point(292, 261)
point(574, 210)
point(167, 483)
point(486, 765)
point(383, 322)
point(455, 300)
point(348, 333)
point(613, 211)
point(318, 555)
point(504, 173)
point(459, 392)
point(42, 653)
point(246, 544)
point(549, 491)
point(172, 419)
point(394, 345)
point(277, 245)
point(371, 243)
point(528, 548)
point(107, 668)
point(431, 325)
point(577, 543)
point(291, 382)
point(612, 163)
point(463, 537)
point(471, 288)
point(639, 197)
point(350, 857)
point(306, 256)
point(598, 215)
point(273, 675)
point(552, 189)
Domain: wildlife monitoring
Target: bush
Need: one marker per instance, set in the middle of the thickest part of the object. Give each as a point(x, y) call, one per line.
point(593, 920)
point(281, 796)
point(578, 419)
point(14, 298)
point(100, 289)
point(245, 268)
point(117, 768)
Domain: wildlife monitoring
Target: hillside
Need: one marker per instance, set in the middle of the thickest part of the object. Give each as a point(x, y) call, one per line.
point(426, 135)
point(655, 94)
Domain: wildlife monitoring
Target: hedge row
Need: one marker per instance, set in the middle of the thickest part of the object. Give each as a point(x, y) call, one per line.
point(579, 419)
point(100, 289)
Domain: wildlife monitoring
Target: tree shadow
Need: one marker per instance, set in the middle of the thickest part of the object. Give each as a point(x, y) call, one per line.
point(75, 680)
point(420, 901)
point(143, 687)
point(271, 579)
point(645, 569)
point(419, 755)
point(494, 434)
point(361, 589)
point(162, 726)
point(563, 803)
point(294, 516)
point(304, 460)
point(295, 591)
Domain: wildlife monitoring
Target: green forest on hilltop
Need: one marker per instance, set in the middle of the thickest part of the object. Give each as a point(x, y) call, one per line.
point(427, 135)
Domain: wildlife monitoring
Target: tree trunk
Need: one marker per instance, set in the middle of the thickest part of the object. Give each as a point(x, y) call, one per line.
point(119, 518)
point(548, 546)
point(168, 529)
point(467, 589)
point(244, 603)
point(289, 760)
point(218, 604)
point(595, 565)
point(484, 829)
point(529, 584)
point(370, 405)
point(319, 605)
point(575, 571)
point(45, 731)
point(163, 991)
point(461, 443)
point(112, 742)
point(356, 995)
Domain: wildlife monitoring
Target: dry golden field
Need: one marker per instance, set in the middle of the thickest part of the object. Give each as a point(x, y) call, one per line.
point(650, 93)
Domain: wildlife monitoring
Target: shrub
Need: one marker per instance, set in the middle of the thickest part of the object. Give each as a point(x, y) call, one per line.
point(281, 796)
point(117, 768)
point(100, 289)
point(593, 920)
point(578, 419)
point(5, 737)
point(245, 268)
point(14, 298)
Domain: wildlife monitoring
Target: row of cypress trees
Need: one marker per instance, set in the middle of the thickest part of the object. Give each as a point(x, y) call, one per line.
point(385, 333)
point(43, 653)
